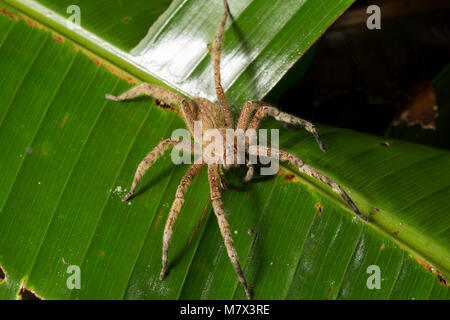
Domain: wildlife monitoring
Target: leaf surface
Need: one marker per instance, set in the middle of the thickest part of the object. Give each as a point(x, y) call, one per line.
point(68, 156)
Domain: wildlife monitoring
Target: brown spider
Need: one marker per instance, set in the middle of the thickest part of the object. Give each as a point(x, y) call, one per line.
point(213, 116)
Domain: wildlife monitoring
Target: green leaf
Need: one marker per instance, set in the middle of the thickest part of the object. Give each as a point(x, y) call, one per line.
point(67, 156)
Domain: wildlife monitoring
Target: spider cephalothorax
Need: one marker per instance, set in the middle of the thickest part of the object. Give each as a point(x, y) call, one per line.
point(218, 116)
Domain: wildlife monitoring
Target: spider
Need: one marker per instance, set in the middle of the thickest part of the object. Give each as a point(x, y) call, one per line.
point(219, 116)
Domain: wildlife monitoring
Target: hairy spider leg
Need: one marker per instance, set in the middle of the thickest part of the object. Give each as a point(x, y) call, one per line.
point(263, 110)
point(216, 198)
point(146, 163)
point(217, 50)
point(174, 210)
point(223, 181)
point(302, 167)
point(246, 114)
point(168, 97)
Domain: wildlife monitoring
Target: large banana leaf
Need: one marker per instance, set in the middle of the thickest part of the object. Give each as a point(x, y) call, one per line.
point(67, 156)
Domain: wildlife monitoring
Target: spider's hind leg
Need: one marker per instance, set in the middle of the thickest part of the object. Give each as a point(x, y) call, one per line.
point(174, 210)
point(313, 173)
point(216, 199)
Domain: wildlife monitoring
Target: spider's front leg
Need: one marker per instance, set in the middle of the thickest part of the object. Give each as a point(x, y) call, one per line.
point(169, 98)
point(216, 52)
point(216, 199)
point(263, 110)
point(302, 167)
point(147, 89)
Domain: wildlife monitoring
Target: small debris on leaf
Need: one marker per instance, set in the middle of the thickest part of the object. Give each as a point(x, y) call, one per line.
point(319, 208)
point(7, 13)
point(432, 270)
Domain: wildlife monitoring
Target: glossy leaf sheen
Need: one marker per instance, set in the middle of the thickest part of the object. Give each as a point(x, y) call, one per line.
point(67, 155)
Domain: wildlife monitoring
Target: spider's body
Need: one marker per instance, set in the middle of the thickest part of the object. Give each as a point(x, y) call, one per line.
point(208, 113)
point(218, 116)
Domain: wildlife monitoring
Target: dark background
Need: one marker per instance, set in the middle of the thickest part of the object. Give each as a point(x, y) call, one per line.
point(366, 79)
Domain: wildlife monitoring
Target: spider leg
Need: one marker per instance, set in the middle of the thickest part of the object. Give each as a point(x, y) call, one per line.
point(216, 198)
point(264, 110)
point(246, 113)
point(169, 98)
point(149, 159)
point(302, 167)
point(244, 118)
point(223, 181)
point(217, 50)
point(174, 210)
